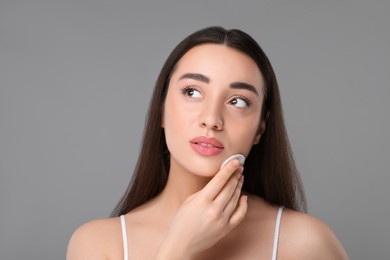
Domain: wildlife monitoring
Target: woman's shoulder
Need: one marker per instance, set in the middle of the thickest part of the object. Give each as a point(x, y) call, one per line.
point(301, 235)
point(308, 237)
point(96, 239)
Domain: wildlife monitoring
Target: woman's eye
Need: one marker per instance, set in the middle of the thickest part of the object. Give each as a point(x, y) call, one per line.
point(191, 92)
point(240, 102)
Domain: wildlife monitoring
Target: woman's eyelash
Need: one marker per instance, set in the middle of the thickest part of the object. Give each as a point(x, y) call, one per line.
point(247, 101)
point(187, 90)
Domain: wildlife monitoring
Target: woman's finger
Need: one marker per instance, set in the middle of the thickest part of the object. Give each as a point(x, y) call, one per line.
point(231, 205)
point(228, 191)
point(239, 213)
point(216, 184)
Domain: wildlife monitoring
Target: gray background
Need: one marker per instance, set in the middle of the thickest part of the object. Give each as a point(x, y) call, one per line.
point(76, 78)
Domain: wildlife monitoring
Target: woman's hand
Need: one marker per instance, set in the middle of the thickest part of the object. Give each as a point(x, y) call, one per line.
point(206, 216)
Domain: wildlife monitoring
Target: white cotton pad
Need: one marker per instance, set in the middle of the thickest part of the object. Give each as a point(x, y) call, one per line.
point(238, 156)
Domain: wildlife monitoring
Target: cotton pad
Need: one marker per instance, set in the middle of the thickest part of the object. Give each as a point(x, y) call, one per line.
point(238, 156)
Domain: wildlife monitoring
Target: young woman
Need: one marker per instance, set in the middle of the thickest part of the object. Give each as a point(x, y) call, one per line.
point(216, 96)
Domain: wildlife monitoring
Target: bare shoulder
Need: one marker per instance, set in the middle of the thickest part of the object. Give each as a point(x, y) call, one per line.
point(306, 237)
point(97, 239)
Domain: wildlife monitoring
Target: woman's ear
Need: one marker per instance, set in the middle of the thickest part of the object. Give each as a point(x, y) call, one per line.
point(261, 130)
point(257, 139)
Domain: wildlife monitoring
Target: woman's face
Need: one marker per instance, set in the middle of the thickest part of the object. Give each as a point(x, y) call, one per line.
point(212, 109)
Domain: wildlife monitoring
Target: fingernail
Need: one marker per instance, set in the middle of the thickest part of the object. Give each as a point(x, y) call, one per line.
point(236, 162)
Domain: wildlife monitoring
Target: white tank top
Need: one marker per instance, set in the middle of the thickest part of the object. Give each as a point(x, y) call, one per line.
point(274, 249)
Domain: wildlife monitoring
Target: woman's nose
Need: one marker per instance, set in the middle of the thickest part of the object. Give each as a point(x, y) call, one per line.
point(211, 117)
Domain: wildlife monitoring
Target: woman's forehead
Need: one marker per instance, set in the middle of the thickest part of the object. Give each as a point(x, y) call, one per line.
point(217, 61)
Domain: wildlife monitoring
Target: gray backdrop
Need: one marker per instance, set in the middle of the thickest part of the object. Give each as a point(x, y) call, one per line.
point(76, 78)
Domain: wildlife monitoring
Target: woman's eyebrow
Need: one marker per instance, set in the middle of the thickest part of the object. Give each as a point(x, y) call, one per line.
point(195, 76)
point(243, 85)
point(205, 79)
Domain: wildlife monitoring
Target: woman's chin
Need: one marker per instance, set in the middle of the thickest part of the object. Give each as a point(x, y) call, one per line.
point(206, 172)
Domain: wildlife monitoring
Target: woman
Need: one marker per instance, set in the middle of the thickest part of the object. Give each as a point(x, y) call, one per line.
point(216, 96)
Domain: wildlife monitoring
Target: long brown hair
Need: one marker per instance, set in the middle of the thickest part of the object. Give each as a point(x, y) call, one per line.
point(270, 171)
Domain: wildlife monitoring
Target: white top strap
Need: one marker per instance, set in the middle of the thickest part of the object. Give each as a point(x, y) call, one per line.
point(124, 238)
point(276, 234)
point(274, 250)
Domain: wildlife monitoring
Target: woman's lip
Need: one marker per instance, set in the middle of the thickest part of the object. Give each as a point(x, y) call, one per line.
point(206, 146)
point(207, 142)
point(206, 150)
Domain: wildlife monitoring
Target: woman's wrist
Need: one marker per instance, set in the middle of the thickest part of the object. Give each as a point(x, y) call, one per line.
point(172, 254)
point(173, 251)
